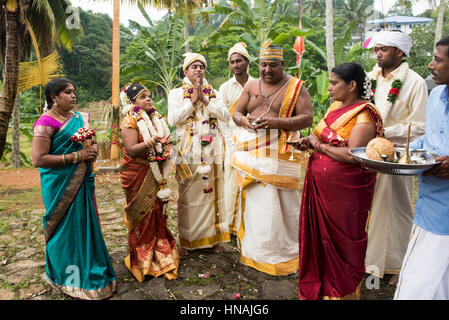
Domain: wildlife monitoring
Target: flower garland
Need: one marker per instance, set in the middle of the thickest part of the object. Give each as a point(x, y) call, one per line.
point(396, 85)
point(394, 91)
point(150, 126)
point(208, 130)
point(115, 139)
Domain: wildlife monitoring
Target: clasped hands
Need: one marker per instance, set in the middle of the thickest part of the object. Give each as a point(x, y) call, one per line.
point(309, 142)
point(198, 94)
point(158, 139)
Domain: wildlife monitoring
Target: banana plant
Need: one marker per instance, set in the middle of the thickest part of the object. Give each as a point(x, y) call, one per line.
point(254, 21)
point(163, 46)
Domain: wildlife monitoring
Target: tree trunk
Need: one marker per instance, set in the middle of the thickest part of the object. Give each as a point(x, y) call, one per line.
point(15, 154)
point(330, 35)
point(186, 34)
point(440, 20)
point(115, 75)
point(10, 74)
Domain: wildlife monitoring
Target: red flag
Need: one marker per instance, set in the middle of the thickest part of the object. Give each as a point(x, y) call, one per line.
point(299, 48)
point(299, 45)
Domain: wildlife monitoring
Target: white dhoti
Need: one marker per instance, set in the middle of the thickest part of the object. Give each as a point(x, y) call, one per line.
point(425, 270)
point(269, 204)
point(201, 223)
point(231, 188)
point(389, 224)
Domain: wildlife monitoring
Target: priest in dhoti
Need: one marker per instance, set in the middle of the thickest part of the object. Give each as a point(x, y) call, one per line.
point(195, 110)
point(270, 110)
point(230, 92)
point(400, 95)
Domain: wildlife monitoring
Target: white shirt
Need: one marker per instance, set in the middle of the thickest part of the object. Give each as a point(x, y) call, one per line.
point(410, 105)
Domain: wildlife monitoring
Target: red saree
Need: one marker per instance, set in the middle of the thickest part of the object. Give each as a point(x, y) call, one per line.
point(335, 204)
point(152, 248)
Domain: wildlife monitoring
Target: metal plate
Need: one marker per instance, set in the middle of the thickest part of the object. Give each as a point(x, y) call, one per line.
point(394, 168)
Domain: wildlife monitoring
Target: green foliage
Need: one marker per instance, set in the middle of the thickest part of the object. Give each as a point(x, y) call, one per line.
point(154, 55)
point(89, 62)
point(255, 22)
point(422, 49)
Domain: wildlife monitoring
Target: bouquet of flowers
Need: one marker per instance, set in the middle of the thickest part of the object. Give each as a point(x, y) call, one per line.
point(83, 136)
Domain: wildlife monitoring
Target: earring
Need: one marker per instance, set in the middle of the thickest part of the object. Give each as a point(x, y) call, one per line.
point(55, 104)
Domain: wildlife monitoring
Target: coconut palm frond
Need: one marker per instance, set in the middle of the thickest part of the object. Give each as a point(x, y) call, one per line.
point(30, 74)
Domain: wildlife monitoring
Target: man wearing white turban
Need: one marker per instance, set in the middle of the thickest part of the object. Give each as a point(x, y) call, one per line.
point(230, 92)
point(400, 95)
point(195, 110)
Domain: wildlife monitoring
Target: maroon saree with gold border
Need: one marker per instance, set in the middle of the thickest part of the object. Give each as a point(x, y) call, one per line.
point(335, 204)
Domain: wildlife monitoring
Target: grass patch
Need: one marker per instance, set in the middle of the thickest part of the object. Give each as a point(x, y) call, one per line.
point(193, 281)
point(4, 226)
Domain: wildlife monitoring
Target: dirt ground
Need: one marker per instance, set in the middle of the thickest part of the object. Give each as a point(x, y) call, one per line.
point(22, 253)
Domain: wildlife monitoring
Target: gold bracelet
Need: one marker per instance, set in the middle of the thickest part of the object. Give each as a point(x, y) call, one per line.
point(80, 158)
point(75, 157)
point(64, 162)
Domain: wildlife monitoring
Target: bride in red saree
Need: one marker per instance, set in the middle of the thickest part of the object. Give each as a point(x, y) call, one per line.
point(152, 248)
point(337, 192)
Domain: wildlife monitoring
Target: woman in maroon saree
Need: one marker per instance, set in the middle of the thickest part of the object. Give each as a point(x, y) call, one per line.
point(337, 192)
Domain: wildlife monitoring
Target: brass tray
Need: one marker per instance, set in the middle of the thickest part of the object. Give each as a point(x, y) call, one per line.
point(426, 161)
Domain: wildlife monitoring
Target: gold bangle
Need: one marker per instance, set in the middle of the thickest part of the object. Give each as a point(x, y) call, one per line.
point(64, 162)
point(75, 157)
point(80, 158)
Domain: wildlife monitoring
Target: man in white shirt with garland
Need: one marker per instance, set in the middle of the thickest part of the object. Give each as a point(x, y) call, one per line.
point(230, 92)
point(400, 95)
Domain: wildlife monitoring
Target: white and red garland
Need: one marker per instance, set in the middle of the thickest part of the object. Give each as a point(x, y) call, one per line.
point(150, 126)
point(396, 85)
point(208, 129)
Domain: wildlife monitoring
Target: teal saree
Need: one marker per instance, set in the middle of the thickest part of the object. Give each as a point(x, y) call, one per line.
point(78, 262)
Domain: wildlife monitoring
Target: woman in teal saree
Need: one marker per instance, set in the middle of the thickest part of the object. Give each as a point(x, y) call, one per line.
point(78, 262)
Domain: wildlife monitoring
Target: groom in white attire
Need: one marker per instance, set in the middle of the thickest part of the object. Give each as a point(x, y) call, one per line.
point(196, 110)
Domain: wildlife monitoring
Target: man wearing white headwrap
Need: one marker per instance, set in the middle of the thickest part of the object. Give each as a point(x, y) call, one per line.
point(400, 95)
point(195, 110)
point(230, 92)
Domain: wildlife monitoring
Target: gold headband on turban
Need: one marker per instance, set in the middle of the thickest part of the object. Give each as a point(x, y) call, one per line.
point(271, 51)
point(191, 57)
point(239, 48)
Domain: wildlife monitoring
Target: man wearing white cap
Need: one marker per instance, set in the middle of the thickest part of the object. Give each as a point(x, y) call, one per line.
point(195, 110)
point(400, 95)
point(230, 92)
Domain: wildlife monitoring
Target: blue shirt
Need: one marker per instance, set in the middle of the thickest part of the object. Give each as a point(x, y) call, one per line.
point(432, 206)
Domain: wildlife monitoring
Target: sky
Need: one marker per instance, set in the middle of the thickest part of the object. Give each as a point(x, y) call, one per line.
point(132, 12)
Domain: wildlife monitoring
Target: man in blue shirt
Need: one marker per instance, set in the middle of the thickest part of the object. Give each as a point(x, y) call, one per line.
point(425, 269)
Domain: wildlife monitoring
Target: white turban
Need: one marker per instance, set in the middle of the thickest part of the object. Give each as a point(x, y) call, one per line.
point(395, 39)
point(239, 48)
point(191, 57)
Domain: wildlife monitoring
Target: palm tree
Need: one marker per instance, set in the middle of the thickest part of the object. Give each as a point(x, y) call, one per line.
point(440, 20)
point(47, 18)
point(358, 11)
point(330, 35)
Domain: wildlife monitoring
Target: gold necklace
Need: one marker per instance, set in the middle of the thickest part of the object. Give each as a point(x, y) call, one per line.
point(269, 106)
point(59, 115)
point(266, 96)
